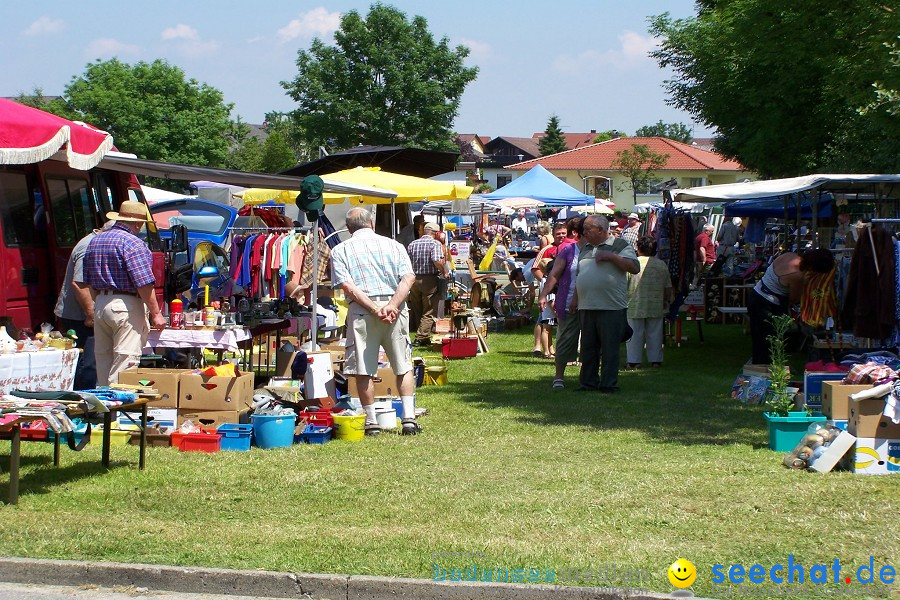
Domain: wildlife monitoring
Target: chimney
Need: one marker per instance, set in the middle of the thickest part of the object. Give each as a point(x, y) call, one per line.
point(593, 131)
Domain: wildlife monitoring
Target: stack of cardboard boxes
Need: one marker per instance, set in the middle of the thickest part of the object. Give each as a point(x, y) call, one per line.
point(188, 395)
point(877, 449)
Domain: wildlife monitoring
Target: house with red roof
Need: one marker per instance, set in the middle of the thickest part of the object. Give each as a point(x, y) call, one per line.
point(590, 169)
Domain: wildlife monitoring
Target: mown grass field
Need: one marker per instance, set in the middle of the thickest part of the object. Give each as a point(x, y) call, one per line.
point(525, 476)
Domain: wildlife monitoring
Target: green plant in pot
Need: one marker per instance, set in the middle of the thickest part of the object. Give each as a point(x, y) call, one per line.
point(780, 397)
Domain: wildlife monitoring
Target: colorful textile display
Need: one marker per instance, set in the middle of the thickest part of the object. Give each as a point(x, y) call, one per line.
point(819, 300)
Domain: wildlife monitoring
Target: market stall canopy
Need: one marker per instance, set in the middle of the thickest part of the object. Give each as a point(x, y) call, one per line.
point(780, 187)
point(692, 207)
point(116, 161)
point(29, 135)
point(469, 206)
point(392, 187)
point(781, 206)
point(152, 194)
point(395, 159)
point(516, 203)
point(597, 208)
point(539, 184)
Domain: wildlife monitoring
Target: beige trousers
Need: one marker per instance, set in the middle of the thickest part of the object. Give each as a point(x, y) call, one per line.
point(120, 332)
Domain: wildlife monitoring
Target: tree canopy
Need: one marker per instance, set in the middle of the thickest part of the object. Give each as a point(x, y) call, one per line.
point(385, 81)
point(609, 134)
point(674, 131)
point(786, 84)
point(152, 110)
point(552, 141)
point(637, 164)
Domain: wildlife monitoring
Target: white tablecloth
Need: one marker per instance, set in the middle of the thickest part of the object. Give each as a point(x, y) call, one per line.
point(212, 339)
point(34, 371)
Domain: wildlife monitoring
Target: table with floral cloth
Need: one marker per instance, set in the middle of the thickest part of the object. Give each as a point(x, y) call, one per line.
point(34, 371)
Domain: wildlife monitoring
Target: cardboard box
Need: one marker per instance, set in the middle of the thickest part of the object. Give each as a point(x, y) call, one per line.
point(165, 381)
point(759, 370)
point(866, 420)
point(874, 456)
point(812, 384)
point(338, 353)
point(834, 452)
point(198, 392)
point(836, 399)
point(208, 419)
point(283, 362)
point(385, 383)
point(163, 417)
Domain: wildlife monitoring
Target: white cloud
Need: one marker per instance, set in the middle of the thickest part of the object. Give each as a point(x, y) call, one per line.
point(633, 49)
point(316, 23)
point(44, 25)
point(109, 47)
point(180, 32)
point(478, 51)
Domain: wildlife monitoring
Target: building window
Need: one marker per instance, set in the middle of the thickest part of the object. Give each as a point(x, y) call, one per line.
point(696, 181)
point(503, 180)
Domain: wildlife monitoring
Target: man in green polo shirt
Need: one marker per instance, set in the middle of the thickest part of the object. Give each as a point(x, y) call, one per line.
point(601, 286)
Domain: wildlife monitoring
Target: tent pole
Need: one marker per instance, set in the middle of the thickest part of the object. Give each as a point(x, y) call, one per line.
point(394, 220)
point(314, 325)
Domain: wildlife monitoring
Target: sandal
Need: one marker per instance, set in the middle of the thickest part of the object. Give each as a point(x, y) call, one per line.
point(410, 427)
point(559, 384)
point(537, 354)
point(549, 356)
point(372, 429)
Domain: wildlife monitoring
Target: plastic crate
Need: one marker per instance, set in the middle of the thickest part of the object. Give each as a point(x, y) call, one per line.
point(319, 418)
point(117, 437)
point(35, 431)
point(161, 440)
point(80, 430)
point(786, 432)
point(235, 437)
point(465, 347)
point(314, 434)
point(199, 442)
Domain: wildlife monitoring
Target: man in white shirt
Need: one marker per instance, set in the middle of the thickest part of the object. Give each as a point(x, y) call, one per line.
point(520, 222)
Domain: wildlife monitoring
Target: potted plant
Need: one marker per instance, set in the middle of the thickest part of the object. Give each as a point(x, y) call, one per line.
point(786, 426)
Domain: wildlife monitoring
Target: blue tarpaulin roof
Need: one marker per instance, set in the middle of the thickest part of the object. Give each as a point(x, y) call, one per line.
point(541, 184)
point(774, 206)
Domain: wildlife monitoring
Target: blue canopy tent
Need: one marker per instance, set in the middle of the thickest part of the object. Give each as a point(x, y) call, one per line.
point(539, 184)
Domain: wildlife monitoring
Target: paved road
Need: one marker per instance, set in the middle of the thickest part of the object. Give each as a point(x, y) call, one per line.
point(21, 591)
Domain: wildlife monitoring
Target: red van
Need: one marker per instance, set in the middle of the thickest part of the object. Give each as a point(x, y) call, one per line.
point(45, 208)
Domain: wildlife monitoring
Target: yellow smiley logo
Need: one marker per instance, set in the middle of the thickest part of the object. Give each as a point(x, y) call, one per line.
point(682, 573)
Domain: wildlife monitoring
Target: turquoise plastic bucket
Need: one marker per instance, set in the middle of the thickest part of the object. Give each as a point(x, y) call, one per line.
point(273, 431)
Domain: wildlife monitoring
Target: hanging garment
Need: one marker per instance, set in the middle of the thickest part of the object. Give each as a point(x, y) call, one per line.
point(895, 341)
point(870, 304)
point(818, 301)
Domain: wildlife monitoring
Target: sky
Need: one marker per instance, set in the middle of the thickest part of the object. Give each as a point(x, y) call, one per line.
point(583, 60)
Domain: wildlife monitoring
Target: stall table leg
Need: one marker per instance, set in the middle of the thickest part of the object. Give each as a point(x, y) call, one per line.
point(107, 425)
point(15, 448)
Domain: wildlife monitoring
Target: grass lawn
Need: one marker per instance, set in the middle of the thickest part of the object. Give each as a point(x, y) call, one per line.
point(526, 476)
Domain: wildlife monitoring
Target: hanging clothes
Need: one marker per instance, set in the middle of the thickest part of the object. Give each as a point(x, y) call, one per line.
point(870, 303)
point(819, 301)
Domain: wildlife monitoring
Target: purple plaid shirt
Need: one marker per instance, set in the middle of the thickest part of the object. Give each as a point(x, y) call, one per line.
point(118, 260)
point(423, 252)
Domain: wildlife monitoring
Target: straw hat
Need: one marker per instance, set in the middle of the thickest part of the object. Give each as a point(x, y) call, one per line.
point(131, 211)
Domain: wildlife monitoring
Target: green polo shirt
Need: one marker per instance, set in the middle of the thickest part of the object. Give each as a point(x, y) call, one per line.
point(602, 286)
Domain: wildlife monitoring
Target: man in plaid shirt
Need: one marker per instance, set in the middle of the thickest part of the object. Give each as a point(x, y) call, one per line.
point(631, 233)
point(118, 267)
point(375, 275)
point(427, 257)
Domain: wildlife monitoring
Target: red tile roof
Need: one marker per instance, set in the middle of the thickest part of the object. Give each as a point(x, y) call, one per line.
point(573, 140)
point(599, 157)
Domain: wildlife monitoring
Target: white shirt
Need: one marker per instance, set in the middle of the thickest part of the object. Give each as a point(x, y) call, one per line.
point(520, 224)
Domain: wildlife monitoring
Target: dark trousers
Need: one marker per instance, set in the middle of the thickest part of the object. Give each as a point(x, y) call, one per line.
point(86, 369)
point(423, 301)
point(761, 312)
point(601, 336)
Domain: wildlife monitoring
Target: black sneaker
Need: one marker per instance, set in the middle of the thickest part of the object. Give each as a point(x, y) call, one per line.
point(410, 427)
point(372, 429)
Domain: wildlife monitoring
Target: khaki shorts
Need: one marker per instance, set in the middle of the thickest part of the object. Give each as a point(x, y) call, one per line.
point(366, 334)
point(568, 330)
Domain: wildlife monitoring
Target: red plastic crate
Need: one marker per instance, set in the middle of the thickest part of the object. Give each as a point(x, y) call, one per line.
point(35, 430)
point(197, 442)
point(465, 347)
point(319, 418)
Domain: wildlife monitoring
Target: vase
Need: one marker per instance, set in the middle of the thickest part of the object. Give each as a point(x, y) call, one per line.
point(7, 344)
point(786, 432)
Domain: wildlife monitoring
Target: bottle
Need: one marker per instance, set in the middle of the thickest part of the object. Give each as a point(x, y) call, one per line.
point(176, 314)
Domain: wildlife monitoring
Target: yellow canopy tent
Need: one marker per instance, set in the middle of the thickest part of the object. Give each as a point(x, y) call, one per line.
point(406, 187)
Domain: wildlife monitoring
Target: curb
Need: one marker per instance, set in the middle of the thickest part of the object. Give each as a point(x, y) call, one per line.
point(277, 584)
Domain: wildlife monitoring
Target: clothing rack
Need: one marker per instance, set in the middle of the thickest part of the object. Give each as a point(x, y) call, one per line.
point(264, 228)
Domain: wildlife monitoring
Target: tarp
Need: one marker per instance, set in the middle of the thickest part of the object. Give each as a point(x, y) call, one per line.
point(470, 206)
point(539, 184)
point(392, 186)
point(775, 206)
point(29, 135)
point(781, 187)
point(395, 159)
point(152, 194)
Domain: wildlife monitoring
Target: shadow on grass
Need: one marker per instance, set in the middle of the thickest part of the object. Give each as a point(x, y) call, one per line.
point(685, 402)
point(37, 475)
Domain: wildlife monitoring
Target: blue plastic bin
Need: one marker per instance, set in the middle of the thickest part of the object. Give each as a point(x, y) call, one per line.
point(235, 437)
point(316, 434)
point(273, 431)
point(80, 430)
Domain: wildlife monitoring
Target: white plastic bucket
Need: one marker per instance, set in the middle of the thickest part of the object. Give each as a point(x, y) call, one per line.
point(387, 419)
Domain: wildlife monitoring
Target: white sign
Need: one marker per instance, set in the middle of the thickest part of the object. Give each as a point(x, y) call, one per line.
point(460, 252)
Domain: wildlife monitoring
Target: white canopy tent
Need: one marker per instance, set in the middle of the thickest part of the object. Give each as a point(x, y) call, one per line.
point(782, 187)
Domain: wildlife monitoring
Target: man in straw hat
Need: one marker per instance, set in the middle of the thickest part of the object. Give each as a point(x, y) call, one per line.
point(118, 268)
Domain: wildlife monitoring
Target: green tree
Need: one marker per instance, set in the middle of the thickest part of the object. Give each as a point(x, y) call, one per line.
point(245, 151)
point(610, 134)
point(153, 111)
point(638, 164)
point(385, 81)
point(674, 131)
point(277, 154)
point(552, 141)
point(783, 82)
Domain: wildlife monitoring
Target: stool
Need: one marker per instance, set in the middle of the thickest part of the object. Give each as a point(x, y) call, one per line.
point(152, 361)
